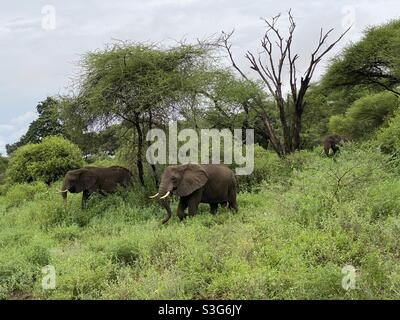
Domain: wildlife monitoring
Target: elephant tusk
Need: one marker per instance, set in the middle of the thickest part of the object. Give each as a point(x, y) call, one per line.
point(61, 191)
point(166, 195)
point(152, 197)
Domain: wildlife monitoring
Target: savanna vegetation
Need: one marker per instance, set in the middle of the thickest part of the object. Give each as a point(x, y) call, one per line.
point(302, 216)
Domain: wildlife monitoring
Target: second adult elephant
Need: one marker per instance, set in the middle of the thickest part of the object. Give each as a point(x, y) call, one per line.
point(93, 179)
point(332, 142)
point(194, 184)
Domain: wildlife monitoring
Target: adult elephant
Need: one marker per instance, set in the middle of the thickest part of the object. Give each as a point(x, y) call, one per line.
point(94, 179)
point(332, 142)
point(194, 184)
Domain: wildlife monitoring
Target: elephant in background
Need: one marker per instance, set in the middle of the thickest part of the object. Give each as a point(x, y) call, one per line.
point(332, 142)
point(93, 179)
point(211, 183)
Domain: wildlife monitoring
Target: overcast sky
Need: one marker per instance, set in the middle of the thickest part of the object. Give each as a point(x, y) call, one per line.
point(41, 41)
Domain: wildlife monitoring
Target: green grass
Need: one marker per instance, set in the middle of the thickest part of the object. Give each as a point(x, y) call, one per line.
point(292, 236)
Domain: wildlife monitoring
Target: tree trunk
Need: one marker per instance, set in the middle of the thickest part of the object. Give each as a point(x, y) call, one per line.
point(153, 167)
point(298, 113)
point(139, 156)
point(297, 131)
point(276, 145)
point(285, 129)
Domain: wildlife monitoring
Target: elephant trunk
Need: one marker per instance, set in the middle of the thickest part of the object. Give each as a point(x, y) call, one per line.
point(64, 191)
point(164, 201)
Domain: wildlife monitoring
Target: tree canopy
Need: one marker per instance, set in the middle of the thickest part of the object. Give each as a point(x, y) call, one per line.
point(137, 86)
point(373, 62)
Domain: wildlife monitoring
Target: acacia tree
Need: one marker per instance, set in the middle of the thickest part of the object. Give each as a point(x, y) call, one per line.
point(372, 63)
point(271, 71)
point(137, 86)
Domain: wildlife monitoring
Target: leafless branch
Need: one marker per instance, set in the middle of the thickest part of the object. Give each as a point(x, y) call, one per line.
point(225, 40)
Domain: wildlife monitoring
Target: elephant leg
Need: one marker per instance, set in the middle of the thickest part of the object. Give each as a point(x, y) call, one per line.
point(194, 201)
point(193, 207)
point(180, 212)
point(85, 197)
point(224, 204)
point(232, 202)
point(213, 208)
point(326, 150)
point(335, 149)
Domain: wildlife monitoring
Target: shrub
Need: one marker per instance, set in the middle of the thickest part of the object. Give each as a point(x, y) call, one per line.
point(21, 193)
point(46, 162)
point(324, 183)
point(3, 168)
point(3, 164)
point(384, 198)
point(388, 138)
point(365, 115)
point(267, 167)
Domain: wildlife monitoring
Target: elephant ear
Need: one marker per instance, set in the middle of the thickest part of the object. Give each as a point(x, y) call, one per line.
point(194, 177)
point(88, 180)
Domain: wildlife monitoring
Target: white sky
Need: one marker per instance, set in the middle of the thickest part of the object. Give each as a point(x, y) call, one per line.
point(36, 62)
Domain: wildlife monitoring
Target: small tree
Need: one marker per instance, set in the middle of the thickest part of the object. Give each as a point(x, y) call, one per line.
point(47, 161)
point(138, 86)
point(271, 71)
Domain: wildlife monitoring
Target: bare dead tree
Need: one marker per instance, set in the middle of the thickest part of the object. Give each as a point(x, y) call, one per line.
point(271, 70)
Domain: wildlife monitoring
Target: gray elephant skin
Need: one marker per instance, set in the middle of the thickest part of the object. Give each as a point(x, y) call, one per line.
point(211, 183)
point(332, 142)
point(94, 179)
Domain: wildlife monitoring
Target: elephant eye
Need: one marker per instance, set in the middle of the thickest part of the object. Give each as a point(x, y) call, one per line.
point(173, 178)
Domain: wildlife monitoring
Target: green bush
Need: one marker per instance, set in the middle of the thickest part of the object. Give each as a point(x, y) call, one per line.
point(267, 167)
point(46, 162)
point(384, 198)
point(3, 168)
point(388, 138)
point(3, 164)
point(18, 194)
point(365, 115)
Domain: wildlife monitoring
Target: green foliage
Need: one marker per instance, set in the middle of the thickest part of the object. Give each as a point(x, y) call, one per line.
point(365, 115)
point(3, 164)
point(3, 167)
point(232, 104)
point(18, 194)
point(388, 138)
point(47, 124)
point(46, 161)
point(372, 62)
point(267, 167)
